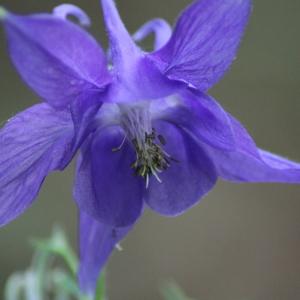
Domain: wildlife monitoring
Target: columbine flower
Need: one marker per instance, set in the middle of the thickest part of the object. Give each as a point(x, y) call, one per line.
point(148, 132)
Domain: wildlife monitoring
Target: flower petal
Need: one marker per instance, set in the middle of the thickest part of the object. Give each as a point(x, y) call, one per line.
point(105, 186)
point(55, 57)
point(197, 114)
point(83, 111)
point(124, 51)
point(250, 164)
point(32, 144)
point(204, 42)
point(97, 242)
point(135, 76)
point(161, 30)
point(185, 182)
point(65, 10)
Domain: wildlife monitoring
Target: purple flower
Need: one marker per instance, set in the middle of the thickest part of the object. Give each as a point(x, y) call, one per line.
point(148, 133)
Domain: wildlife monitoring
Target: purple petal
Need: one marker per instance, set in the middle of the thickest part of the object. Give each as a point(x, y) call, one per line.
point(250, 164)
point(197, 114)
point(161, 30)
point(143, 80)
point(136, 77)
point(187, 180)
point(56, 58)
point(83, 111)
point(105, 186)
point(123, 49)
point(204, 42)
point(97, 242)
point(65, 10)
point(32, 144)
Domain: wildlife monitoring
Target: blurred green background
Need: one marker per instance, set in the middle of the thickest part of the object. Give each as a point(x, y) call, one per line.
point(243, 241)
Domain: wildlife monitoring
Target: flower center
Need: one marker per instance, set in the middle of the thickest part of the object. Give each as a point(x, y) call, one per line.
point(151, 158)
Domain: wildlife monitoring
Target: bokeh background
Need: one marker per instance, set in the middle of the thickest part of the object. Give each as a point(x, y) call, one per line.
point(243, 241)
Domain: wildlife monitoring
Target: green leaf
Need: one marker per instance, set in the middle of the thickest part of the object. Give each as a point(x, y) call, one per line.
point(172, 291)
point(42, 281)
point(58, 245)
point(14, 287)
point(3, 13)
point(100, 290)
point(63, 282)
point(23, 286)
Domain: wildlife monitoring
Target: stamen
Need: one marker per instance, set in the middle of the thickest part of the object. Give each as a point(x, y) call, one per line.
point(161, 139)
point(147, 181)
point(120, 147)
point(151, 158)
point(155, 174)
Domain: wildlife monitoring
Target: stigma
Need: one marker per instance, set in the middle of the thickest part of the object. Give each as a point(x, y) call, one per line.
point(148, 144)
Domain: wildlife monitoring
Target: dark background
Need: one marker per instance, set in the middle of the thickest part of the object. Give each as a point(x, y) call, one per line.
point(243, 241)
